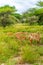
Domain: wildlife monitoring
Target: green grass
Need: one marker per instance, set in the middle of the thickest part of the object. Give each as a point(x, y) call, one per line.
point(10, 45)
point(29, 55)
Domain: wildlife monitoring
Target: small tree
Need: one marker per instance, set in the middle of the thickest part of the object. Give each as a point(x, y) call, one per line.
point(6, 15)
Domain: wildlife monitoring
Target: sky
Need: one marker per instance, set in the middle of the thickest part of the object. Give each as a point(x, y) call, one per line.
point(21, 5)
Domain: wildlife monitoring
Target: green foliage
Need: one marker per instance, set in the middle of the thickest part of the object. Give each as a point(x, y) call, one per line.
point(40, 3)
point(40, 50)
point(41, 41)
point(30, 55)
point(28, 16)
point(11, 46)
point(39, 13)
point(6, 16)
point(10, 62)
point(36, 63)
point(8, 47)
point(6, 9)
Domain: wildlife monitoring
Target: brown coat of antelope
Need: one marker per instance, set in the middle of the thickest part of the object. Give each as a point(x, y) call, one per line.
point(34, 36)
point(29, 36)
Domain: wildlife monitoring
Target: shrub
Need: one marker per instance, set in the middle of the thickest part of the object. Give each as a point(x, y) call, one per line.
point(6, 16)
point(7, 50)
point(36, 64)
point(11, 62)
point(29, 54)
point(40, 50)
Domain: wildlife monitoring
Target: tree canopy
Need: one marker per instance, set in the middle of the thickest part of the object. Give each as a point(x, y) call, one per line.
point(6, 15)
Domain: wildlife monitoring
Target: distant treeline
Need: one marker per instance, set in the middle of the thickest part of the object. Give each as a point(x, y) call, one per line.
point(33, 16)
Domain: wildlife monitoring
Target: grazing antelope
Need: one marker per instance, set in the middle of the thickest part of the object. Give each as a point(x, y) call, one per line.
point(19, 35)
point(34, 36)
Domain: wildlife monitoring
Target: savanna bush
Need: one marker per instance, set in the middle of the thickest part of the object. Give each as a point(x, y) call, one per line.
point(40, 50)
point(8, 49)
point(29, 55)
point(36, 64)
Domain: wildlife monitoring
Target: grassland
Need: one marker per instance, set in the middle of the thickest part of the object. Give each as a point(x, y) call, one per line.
point(11, 47)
